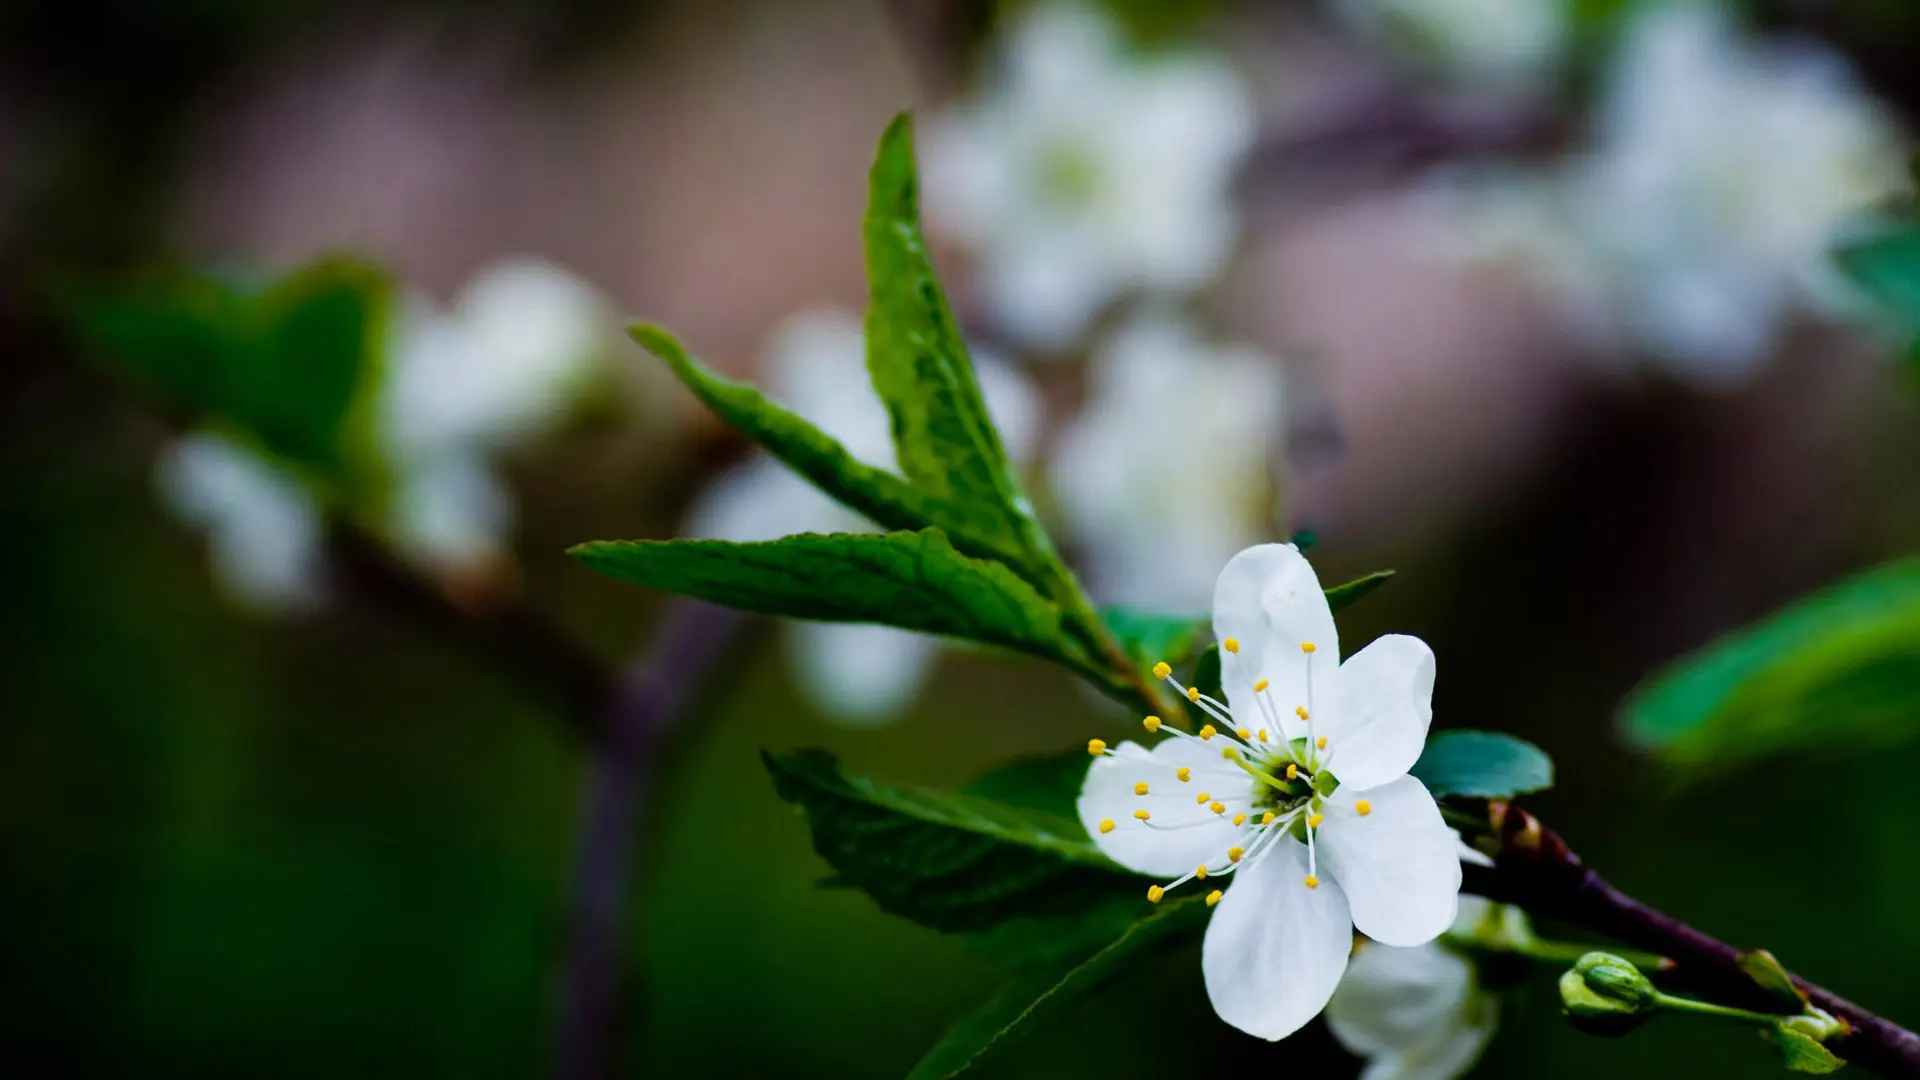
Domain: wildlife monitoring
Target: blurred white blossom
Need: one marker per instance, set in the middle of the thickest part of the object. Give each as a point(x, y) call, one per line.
point(1509, 45)
point(1167, 471)
point(1084, 170)
point(816, 366)
point(1416, 1013)
point(498, 368)
point(263, 528)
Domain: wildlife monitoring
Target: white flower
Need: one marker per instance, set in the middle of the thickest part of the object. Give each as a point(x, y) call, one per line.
point(1500, 44)
point(1151, 522)
point(263, 528)
point(499, 367)
point(1085, 171)
point(1416, 1013)
point(1721, 175)
point(816, 366)
point(1301, 794)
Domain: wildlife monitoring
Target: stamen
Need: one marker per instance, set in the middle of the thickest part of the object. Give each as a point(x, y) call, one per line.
point(1161, 670)
point(1140, 788)
point(1151, 723)
point(1363, 807)
point(1267, 818)
point(1293, 771)
point(1230, 753)
point(1201, 873)
point(1245, 735)
point(1203, 799)
point(1239, 820)
point(1314, 820)
point(1312, 882)
point(1214, 897)
point(1096, 747)
point(1193, 694)
point(1207, 732)
point(1232, 645)
point(1185, 774)
point(1154, 893)
point(1141, 815)
point(1320, 743)
point(1107, 826)
point(1308, 647)
point(1236, 853)
point(1260, 686)
point(1218, 808)
point(1263, 734)
point(1300, 711)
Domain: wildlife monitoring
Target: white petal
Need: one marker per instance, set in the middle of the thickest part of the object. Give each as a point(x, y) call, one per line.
point(1394, 1000)
point(1449, 1056)
point(1378, 711)
point(1158, 847)
point(1397, 863)
point(860, 674)
point(1276, 949)
point(1268, 599)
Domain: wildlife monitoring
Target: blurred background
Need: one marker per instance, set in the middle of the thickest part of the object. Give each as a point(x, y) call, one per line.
point(1528, 300)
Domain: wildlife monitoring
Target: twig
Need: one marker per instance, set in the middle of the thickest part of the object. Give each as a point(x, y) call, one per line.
point(1535, 869)
point(689, 639)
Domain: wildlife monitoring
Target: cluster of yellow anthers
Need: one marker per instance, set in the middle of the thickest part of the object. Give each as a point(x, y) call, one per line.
point(1263, 760)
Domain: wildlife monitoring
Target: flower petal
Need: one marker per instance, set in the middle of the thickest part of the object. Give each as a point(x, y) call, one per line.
point(1395, 1000)
point(1381, 705)
point(1182, 833)
point(1276, 949)
point(1269, 600)
point(1397, 863)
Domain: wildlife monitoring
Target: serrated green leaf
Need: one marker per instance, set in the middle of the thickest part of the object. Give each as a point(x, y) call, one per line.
point(914, 580)
point(1032, 998)
point(946, 443)
point(1839, 668)
point(956, 863)
point(1887, 267)
point(1482, 765)
point(1344, 595)
point(1050, 784)
point(883, 497)
point(1801, 1052)
point(286, 366)
point(1149, 637)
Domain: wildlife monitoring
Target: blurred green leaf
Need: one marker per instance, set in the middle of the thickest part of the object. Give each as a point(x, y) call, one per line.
point(1206, 674)
point(1345, 595)
point(1766, 971)
point(914, 580)
point(1032, 998)
point(1482, 765)
point(880, 495)
point(947, 444)
point(287, 365)
point(1887, 267)
point(1150, 637)
point(1801, 1052)
point(955, 863)
point(1838, 668)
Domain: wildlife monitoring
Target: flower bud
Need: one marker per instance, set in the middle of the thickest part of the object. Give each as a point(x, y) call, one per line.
point(1605, 995)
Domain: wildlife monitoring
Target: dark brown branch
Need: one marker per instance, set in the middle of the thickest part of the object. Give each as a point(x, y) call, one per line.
point(1535, 869)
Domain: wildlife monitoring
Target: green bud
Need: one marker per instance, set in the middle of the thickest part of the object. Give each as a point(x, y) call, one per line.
point(1605, 995)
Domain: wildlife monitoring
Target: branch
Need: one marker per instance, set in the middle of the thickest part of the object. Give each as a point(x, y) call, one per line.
point(1536, 870)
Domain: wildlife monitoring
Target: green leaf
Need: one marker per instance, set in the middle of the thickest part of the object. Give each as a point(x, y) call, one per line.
point(880, 495)
point(1767, 972)
point(951, 862)
point(1206, 675)
point(1049, 785)
point(1836, 669)
point(1482, 765)
point(914, 580)
point(1343, 596)
point(946, 443)
point(1032, 998)
point(287, 366)
point(1887, 267)
point(1801, 1052)
point(1151, 637)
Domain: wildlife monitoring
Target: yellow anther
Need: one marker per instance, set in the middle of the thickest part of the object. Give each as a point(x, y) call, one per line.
point(1161, 670)
point(1151, 723)
point(1106, 826)
point(1239, 819)
point(1214, 897)
point(1202, 799)
point(1314, 820)
point(1244, 734)
point(1231, 645)
point(1293, 771)
point(1308, 646)
point(1206, 733)
point(1096, 747)
point(1263, 734)
point(1300, 711)
point(1140, 788)
point(1218, 808)
point(1363, 808)
point(1193, 694)
point(1320, 743)
point(1154, 893)
point(1185, 774)
point(1259, 686)
point(1200, 874)
point(1230, 753)
point(1312, 882)
point(1267, 818)
point(1142, 815)
point(1234, 853)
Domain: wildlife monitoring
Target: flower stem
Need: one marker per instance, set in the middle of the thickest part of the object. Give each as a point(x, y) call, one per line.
point(1707, 1008)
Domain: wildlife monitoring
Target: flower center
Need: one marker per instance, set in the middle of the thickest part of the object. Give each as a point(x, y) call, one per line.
point(1068, 173)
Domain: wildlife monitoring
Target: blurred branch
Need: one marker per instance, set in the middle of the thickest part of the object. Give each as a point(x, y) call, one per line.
point(688, 640)
point(1536, 870)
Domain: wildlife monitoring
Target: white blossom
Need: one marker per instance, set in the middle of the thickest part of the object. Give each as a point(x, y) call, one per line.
point(816, 366)
point(1416, 1013)
point(1084, 170)
point(263, 528)
point(1167, 470)
point(1301, 795)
